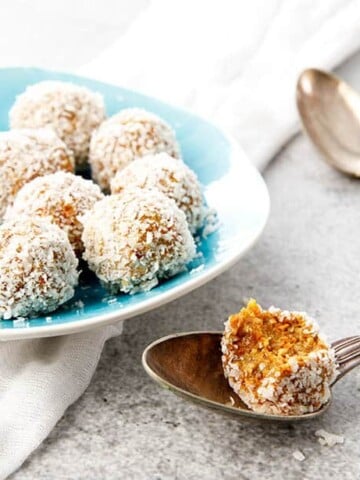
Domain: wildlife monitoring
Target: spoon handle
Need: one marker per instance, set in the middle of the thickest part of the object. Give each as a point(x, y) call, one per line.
point(347, 354)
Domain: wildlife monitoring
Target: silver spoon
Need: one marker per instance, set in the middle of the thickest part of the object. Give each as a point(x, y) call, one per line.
point(330, 113)
point(189, 364)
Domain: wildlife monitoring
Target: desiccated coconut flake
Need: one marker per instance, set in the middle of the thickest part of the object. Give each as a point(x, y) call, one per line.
point(328, 439)
point(211, 222)
point(298, 455)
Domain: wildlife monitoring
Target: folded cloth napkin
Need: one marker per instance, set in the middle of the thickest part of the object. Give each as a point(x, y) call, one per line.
point(234, 62)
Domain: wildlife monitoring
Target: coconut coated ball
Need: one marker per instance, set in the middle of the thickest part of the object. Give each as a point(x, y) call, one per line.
point(125, 136)
point(169, 175)
point(143, 237)
point(37, 268)
point(277, 361)
point(26, 154)
point(60, 198)
point(71, 110)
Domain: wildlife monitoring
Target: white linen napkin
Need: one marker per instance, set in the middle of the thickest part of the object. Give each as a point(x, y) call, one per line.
point(233, 61)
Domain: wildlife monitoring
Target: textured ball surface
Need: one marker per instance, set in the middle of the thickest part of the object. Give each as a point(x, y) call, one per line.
point(60, 198)
point(125, 136)
point(37, 268)
point(144, 237)
point(26, 154)
point(71, 110)
point(169, 175)
point(276, 361)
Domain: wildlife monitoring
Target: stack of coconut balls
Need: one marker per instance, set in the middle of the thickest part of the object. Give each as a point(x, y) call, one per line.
point(133, 223)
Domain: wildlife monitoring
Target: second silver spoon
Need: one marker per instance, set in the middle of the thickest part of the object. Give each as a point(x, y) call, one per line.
point(330, 113)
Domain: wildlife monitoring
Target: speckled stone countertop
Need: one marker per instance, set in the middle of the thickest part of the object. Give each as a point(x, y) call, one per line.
point(126, 427)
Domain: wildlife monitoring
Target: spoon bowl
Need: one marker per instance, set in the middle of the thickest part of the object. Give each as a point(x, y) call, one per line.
point(189, 364)
point(330, 113)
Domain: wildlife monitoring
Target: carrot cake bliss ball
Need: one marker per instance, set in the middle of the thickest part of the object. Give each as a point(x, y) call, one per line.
point(169, 175)
point(38, 268)
point(60, 198)
point(144, 238)
point(26, 154)
point(276, 361)
point(72, 111)
point(125, 136)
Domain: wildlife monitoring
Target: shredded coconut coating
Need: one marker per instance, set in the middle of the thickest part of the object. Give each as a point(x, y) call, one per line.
point(71, 110)
point(169, 175)
point(38, 268)
point(60, 198)
point(276, 361)
point(125, 136)
point(143, 237)
point(26, 154)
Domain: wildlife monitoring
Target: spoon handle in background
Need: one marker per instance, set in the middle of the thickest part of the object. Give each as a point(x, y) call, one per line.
point(347, 354)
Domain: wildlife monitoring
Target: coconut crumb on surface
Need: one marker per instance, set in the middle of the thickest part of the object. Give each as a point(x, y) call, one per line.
point(328, 439)
point(298, 455)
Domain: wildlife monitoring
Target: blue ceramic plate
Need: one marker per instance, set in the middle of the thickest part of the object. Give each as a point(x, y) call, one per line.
point(231, 185)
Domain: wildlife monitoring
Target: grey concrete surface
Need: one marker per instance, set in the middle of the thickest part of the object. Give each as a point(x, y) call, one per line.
point(126, 427)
